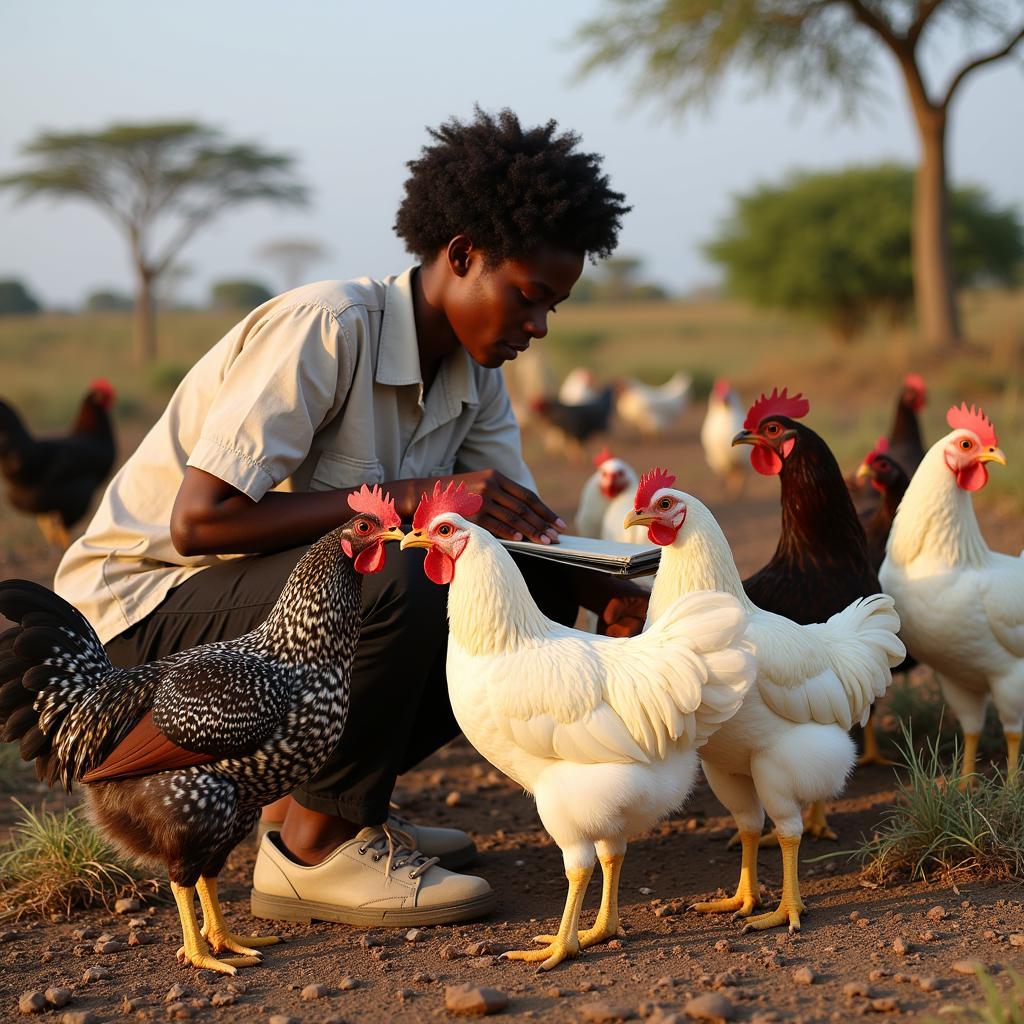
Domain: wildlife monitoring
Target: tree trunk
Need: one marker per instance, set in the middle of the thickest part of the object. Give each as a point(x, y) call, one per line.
point(934, 285)
point(144, 350)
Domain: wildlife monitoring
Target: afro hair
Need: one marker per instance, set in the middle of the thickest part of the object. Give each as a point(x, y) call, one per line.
point(511, 189)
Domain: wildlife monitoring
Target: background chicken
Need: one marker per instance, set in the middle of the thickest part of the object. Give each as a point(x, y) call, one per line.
point(579, 385)
point(55, 478)
point(652, 410)
point(605, 498)
point(962, 605)
point(602, 732)
point(787, 745)
point(574, 425)
point(722, 422)
point(179, 755)
point(821, 564)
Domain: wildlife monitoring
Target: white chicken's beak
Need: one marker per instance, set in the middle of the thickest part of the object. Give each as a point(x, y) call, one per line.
point(416, 539)
point(635, 518)
point(993, 454)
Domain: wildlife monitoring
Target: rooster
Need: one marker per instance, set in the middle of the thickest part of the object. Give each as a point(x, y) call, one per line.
point(179, 755)
point(962, 604)
point(602, 732)
point(54, 478)
point(821, 564)
point(652, 410)
point(723, 420)
point(787, 745)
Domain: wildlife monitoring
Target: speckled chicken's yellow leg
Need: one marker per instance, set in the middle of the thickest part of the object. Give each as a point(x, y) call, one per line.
point(747, 896)
point(1012, 755)
point(872, 753)
point(566, 943)
point(215, 928)
point(606, 924)
point(816, 823)
point(196, 950)
point(790, 905)
point(970, 759)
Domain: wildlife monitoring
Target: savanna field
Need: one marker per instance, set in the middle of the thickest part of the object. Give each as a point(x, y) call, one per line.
point(899, 938)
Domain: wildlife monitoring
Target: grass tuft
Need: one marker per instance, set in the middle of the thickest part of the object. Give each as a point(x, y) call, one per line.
point(57, 862)
point(935, 829)
point(998, 1007)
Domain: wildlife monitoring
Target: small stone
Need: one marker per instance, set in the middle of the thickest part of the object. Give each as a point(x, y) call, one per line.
point(58, 997)
point(421, 978)
point(644, 891)
point(885, 1004)
point(449, 951)
point(484, 948)
point(474, 1000)
point(130, 1004)
point(967, 966)
point(664, 910)
point(176, 992)
point(348, 983)
point(878, 975)
point(128, 905)
point(854, 914)
point(936, 914)
point(180, 1011)
point(453, 798)
point(856, 989)
point(605, 1013)
point(78, 1017)
point(95, 974)
point(557, 993)
point(900, 946)
point(137, 922)
point(415, 935)
point(727, 979)
point(929, 984)
point(711, 1006)
point(803, 976)
point(927, 936)
point(723, 946)
point(110, 946)
point(404, 995)
point(590, 986)
point(863, 922)
point(31, 1002)
point(1017, 939)
point(282, 1018)
point(84, 933)
point(311, 992)
point(368, 940)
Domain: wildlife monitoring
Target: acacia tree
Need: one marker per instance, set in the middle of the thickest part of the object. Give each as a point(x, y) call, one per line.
point(159, 183)
point(685, 48)
point(292, 256)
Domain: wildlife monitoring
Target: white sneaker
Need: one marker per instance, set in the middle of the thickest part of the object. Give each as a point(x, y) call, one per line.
point(378, 878)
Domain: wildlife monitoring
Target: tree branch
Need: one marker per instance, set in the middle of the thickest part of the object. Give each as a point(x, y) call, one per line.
point(981, 62)
point(924, 11)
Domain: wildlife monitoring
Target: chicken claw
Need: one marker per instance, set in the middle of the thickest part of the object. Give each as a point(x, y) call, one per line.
point(217, 933)
point(791, 906)
point(566, 943)
point(551, 955)
point(746, 898)
point(816, 824)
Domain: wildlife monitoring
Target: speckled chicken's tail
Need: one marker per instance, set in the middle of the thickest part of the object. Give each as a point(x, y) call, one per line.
point(49, 662)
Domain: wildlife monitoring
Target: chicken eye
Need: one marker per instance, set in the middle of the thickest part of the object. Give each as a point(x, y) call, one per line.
point(444, 529)
point(772, 428)
point(965, 444)
point(665, 504)
point(362, 526)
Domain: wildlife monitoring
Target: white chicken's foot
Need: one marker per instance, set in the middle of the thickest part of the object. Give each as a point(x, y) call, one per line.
point(790, 905)
point(815, 822)
point(747, 896)
point(196, 950)
point(216, 931)
point(970, 761)
point(1012, 755)
point(566, 943)
point(872, 753)
point(606, 924)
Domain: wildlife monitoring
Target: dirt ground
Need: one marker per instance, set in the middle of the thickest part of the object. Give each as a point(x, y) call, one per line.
point(884, 952)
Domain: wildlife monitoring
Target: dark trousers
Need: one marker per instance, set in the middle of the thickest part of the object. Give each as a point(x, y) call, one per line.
point(399, 711)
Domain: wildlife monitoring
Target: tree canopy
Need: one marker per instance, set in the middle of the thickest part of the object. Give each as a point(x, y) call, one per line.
point(16, 298)
point(838, 245)
point(239, 294)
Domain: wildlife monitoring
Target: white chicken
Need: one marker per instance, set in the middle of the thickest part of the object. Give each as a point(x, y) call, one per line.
point(606, 497)
point(722, 422)
point(580, 385)
point(788, 744)
point(603, 732)
point(652, 410)
point(962, 605)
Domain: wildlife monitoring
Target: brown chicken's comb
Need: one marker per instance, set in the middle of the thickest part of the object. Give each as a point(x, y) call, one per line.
point(455, 499)
point(915, 381)
point(602, 456)
point(375, 503)
point(962, 418)
point(775, 404)
point(881, 447)
point(650, 484)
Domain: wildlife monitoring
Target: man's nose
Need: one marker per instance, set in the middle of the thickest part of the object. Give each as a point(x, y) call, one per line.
point(537, 326)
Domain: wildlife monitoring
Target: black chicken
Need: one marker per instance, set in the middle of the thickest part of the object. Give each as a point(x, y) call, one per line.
point(576, 424)
point(888, 479)
point(821, 564)
point(179, 755)
point(54, 478)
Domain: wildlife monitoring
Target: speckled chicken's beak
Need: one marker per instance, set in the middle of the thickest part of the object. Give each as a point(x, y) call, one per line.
point(416, 539)
point(744, 437)
point(393, 534)
point(635, 518)
point(993, 454)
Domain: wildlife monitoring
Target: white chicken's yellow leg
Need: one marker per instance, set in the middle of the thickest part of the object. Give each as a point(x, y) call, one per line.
point(216, 931)
point(872, 753)
point(566, 943)
point(790, 905)
point(970, 759)
point(746, 898)
point(1012, 755)
point(606, 924)
point(816, 823)
point(196, 950)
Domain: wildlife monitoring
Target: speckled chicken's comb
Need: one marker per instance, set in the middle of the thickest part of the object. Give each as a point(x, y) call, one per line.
point(455, 499)
point(375, 503)
point(962, 418)
point(602, 456)
point(775, 404)
point(650, 484)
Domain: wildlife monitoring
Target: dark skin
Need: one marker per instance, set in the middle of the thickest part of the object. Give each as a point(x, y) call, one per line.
point(494, 312)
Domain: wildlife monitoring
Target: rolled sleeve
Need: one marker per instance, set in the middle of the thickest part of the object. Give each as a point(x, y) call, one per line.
point(273, 396)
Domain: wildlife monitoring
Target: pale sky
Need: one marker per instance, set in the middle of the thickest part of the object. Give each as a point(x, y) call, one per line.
point(348, 88)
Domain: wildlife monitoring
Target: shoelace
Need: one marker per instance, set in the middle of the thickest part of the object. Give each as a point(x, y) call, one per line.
point(401, 851)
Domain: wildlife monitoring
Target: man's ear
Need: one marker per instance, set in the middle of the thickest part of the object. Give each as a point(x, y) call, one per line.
point(460, 254)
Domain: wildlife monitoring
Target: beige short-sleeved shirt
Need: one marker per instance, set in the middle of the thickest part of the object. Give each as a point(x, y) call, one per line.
point(319, 388)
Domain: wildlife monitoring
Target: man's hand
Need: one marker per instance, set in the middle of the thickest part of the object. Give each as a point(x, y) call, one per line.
point(510, 511)
point(624, 616)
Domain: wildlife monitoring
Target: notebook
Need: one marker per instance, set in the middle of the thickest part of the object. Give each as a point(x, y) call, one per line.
point(609, 556)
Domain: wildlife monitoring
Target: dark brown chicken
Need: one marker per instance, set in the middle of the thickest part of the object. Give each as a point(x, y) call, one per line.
point(55, 478)
point(179, 755)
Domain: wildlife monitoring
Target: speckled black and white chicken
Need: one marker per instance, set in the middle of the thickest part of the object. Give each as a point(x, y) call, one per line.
point(178, 755)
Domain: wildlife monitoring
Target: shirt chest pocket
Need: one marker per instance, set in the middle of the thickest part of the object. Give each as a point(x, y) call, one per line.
point(335, 470)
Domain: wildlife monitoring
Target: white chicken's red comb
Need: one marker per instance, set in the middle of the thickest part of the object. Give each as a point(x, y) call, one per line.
point(375, 503)
point(602, 457)
point(962, 418)
point(775, 404)
point(455, 499)
point(650, 484)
